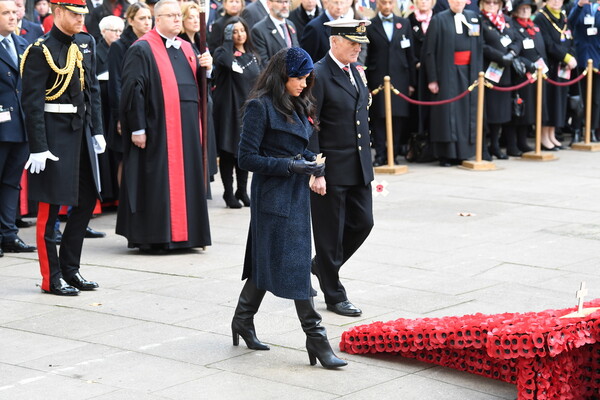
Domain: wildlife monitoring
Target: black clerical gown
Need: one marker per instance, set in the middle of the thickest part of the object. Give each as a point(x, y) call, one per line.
point(162, 199)
point(452, 126)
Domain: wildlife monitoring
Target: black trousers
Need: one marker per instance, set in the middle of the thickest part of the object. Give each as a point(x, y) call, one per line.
point(399, 134)
point(54, 265)
point(12, 159)
point(342, 220)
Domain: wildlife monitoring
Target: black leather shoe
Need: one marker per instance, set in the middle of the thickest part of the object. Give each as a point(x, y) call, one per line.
point(549, 148)
point(80, 283)
point(21, 223)
point(17, 246)
point(57, 236)
point(92, 234)
point(62, 288)
point(379, 161)
point(345, 308)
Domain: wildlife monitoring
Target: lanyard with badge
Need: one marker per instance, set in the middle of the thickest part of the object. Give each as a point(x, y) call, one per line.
point(565, 33)
point(590, 19)
point(4, 115)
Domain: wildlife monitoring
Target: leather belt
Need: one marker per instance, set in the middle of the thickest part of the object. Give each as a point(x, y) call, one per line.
point(60, 108)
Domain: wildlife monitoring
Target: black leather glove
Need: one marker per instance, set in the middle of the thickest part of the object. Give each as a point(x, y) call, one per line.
point(529, 66)
point(507, 59)
point(303, 167)
point(228, 33)
point(519, 67)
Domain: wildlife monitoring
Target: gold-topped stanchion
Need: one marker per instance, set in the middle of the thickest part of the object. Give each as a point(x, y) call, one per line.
point(587, 145)
point(537, 155)
point(390, 168)
point(479, 164)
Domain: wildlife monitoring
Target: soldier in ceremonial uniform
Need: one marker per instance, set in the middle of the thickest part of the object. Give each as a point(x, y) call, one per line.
point(341, 201)
point(61, 101)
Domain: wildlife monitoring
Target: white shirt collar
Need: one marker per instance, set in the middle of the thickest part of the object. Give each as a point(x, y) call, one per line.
point(339, 64)
point(170, 42)
point(276, 21)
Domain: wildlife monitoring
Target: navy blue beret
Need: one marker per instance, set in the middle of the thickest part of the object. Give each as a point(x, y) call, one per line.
point(298, 62)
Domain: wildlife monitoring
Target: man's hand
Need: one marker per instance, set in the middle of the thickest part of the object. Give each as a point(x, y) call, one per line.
point(319, 186)
point(433, 87)
point(139, 141)
point(37, 161)
point(206, 60)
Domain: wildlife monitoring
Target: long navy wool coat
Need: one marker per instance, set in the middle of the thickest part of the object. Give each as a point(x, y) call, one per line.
point(279, 242)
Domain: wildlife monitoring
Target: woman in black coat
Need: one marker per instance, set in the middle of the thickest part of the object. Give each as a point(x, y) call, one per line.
point(231, 8)
point(500, 49)
point(533, 54)
point(552, 22)
point(236, 70)
point(277, 124)
point(139, 21)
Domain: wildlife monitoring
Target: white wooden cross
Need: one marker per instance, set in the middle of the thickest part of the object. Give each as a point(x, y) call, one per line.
point(581, 293)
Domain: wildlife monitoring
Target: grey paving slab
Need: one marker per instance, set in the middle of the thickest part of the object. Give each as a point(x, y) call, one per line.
point(227, 385)
point(159, 327)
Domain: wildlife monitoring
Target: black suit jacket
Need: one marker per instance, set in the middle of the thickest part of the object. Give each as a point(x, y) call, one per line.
point(30, 31)
point(254, 13)
point(299, 17)
point(315, 39)
point(385, 57)
point(10, 93)
point(267, 40)
point(343, 115)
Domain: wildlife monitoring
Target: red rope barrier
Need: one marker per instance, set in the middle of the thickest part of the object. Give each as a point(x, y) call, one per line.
point(567, 83)
point(431, 103)
point(511, 88)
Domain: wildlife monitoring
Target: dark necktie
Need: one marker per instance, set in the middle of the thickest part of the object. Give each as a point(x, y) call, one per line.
point(7, 42)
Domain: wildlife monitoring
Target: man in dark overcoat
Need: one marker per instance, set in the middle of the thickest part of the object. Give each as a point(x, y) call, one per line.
point(342, 218)
point(390, 53)
point(255, 12)
point(452, 58)
point(13, 137)
point(315, 38)
point(306, 11)
point(61, 100)
point(274, 32)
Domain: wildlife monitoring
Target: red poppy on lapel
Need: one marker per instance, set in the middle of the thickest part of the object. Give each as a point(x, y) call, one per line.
point(398, 25)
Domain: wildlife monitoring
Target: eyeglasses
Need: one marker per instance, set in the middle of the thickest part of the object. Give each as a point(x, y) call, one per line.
point(171, 16)
point(491, 2)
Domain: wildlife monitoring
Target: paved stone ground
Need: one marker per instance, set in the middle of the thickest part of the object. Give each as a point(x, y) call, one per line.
point(158, 328)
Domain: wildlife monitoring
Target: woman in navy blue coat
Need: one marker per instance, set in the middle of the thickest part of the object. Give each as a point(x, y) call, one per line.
point(277, 124)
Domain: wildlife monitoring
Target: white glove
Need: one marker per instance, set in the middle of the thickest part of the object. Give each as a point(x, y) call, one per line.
point(37, 161)
point(99, 144)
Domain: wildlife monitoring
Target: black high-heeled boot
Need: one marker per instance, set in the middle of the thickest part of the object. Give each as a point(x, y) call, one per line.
point(243, 319)
point(241, 193)
point(510, 135)
point(226, 164)
point(522, 131)
point(495, 143)
point(575, 137)
point(317, 345)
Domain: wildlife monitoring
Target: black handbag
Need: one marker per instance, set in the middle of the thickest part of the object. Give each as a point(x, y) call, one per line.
point(576, 106)
point(518, 106)
point(419, 148)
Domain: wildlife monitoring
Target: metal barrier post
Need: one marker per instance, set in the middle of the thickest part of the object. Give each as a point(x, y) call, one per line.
point(390, 168)
point(478, 164)
point(537, 154)
point(587, 145)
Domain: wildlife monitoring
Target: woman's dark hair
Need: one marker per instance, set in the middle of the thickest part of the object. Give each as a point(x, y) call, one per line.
point(271, 83)
point(248, 45)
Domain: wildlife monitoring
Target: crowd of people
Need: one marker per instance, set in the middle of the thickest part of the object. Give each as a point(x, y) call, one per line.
point(134, 103)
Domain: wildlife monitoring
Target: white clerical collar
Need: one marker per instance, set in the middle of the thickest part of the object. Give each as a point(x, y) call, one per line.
point(459, 21)
point(170, 42)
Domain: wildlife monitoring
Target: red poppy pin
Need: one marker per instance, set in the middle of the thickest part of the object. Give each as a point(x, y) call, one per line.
point(398, 25)
point(213, 6)
point(237, 53)
point(23, 32)
point(292, 29)
point(311, 121)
